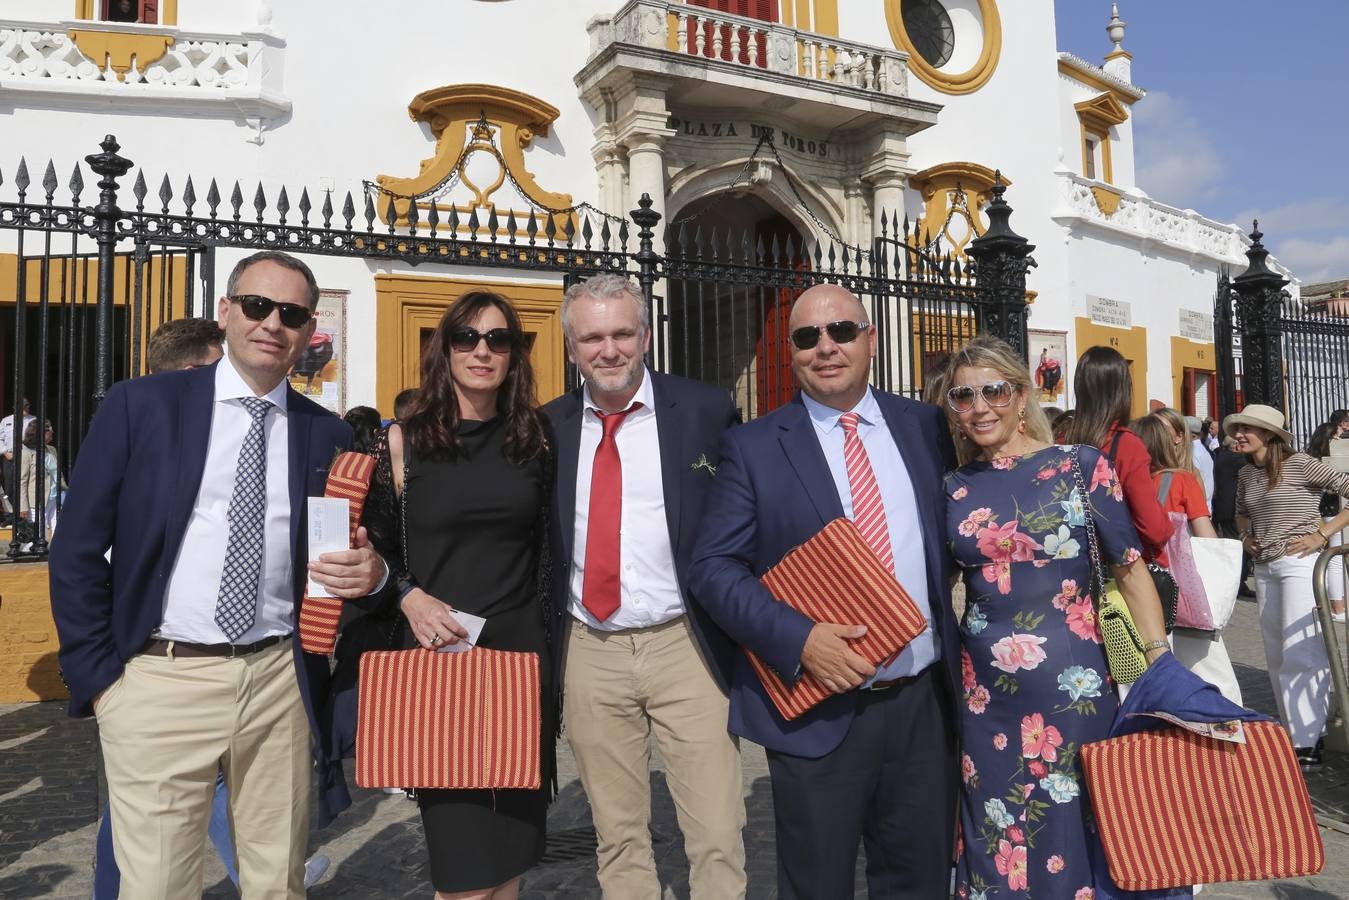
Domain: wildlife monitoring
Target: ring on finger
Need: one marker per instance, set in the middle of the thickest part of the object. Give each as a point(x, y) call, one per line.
point(435, 639)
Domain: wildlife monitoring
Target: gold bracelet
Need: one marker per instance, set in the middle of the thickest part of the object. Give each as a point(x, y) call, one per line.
point(1156, 645)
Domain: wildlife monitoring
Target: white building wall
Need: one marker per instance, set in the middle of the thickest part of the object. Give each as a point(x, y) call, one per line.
point(349, 83)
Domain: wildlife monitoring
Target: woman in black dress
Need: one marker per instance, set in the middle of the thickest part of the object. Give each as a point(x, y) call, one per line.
point(472, 467)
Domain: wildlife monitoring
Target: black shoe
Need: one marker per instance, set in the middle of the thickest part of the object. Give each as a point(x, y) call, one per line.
point(1309, 758)
point(1244, 591)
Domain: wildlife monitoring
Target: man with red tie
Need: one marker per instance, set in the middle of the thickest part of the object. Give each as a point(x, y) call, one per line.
point(875, 763)
point(637, 454)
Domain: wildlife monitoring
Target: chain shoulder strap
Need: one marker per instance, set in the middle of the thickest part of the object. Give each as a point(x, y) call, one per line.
point(1089, 520)
point(403, 505)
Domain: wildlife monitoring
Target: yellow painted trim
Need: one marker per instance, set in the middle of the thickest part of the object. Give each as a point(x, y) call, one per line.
point(1188, 354)
point(803, 20)
point(826, 17)
point(1132, 343)
point(119, 49)
point(28, 641)
point(951, 83)
point(84, 9)
point(452, 112)
point(408, 304)
point(1102, 111)
point(1099, 84)
point(1118, 54)
point(168, 13)
point(1106, 171)
point(1107, 199)
point(935, 183)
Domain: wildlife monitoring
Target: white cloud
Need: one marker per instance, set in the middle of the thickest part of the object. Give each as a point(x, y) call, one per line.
point(1298, 218)
point(1313, 260)
point(1178, 162)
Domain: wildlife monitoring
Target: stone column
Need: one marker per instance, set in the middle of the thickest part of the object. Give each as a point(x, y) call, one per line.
point(646, 175)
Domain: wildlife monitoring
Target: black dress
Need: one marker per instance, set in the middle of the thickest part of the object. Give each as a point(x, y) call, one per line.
point(476, 535)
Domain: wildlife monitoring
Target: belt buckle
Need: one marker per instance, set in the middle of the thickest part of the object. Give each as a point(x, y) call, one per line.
point(235, 651)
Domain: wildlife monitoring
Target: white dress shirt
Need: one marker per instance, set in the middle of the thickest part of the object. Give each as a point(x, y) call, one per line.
point(194, 581)
point(7, 436)
point(1204, 463)
point(648, 586)
point(900, 502)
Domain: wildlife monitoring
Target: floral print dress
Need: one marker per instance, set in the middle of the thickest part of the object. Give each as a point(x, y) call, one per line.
point(1033, 668)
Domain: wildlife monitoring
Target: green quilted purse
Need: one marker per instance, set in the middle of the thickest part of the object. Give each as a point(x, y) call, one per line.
point(1123, 645)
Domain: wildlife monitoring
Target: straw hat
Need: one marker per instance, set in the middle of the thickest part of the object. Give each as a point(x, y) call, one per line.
point(1261, 416)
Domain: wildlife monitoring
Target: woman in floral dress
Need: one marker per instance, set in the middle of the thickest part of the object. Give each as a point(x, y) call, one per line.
point(1035, 682)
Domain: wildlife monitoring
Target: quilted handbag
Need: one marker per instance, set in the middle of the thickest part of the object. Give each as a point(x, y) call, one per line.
point(349, 478)
point(1123, 645)
point(1176, 808)
point(448, 720)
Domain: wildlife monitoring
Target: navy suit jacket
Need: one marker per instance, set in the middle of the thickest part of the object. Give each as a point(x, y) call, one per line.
point(690, 420)
point(773, 493)
point(133, 489)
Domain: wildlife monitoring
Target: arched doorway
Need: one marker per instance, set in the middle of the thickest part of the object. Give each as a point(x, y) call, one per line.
point(733, 332)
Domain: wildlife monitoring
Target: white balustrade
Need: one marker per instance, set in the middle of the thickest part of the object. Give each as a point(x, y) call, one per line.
point(751, 43)
point(1142, 217)
point(240, 71)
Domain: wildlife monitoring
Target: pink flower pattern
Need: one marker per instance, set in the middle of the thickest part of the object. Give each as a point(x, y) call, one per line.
point(1022, 831)
point(1082, 620)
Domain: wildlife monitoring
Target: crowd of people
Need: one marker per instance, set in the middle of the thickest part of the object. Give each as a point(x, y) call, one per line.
point(619, 533)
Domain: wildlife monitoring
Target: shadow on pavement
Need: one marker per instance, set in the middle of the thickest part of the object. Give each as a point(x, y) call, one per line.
point(39, 881)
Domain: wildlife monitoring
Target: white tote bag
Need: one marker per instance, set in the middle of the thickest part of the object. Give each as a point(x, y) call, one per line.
point(1219, 563)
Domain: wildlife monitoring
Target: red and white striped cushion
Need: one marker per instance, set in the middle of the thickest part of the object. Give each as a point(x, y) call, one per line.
point(348, 477)
point(835, 577)
point(1175, 808)
point(448, 720)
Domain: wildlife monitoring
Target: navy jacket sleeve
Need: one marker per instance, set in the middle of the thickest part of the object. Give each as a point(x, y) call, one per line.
point(723, 578)
point(80, 572)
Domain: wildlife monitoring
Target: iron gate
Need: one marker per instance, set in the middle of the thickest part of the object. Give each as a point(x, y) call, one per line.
point(91, 283)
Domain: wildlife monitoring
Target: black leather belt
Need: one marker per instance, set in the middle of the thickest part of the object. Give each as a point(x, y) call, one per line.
point(892, 683)
point(160, 647)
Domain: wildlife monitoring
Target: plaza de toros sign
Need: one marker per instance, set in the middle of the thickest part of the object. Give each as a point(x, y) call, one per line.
point(700, 129)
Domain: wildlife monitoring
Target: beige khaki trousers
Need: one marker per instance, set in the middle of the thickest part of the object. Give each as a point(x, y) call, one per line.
point(621, 689)
point(166, 725)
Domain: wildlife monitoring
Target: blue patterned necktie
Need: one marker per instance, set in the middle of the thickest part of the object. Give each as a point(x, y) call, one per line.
point(236, 607)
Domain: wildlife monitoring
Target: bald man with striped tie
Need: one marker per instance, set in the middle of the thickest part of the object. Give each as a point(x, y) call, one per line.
point(875, 762)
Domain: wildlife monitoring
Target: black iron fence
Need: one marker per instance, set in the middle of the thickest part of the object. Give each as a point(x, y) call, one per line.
point(1288, 353)
point(83, 287)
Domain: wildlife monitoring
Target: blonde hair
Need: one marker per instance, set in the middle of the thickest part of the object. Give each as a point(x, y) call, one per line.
point(991, 353)
point(1164, 452)
point(1184, 450)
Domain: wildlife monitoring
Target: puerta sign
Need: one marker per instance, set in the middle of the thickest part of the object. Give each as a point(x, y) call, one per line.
point(730, 128)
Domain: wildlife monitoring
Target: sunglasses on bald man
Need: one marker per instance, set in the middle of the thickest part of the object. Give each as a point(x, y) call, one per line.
point(842, 332)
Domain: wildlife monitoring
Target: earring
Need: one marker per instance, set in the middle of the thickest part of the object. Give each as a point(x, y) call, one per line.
point(1021, 425)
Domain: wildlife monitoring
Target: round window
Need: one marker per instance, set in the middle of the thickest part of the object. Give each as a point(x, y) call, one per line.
point(929, 28)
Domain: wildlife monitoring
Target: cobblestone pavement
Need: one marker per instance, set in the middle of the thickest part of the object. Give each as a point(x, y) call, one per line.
point(48, 815)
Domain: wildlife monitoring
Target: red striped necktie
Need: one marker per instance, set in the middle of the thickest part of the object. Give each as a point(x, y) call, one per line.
point(600, 590)
point(868, 512)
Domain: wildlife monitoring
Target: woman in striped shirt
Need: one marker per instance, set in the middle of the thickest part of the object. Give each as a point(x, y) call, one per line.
point(1278, 512)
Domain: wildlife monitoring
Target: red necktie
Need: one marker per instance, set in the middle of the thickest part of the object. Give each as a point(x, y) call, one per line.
point(868, 513)
point(600, 586)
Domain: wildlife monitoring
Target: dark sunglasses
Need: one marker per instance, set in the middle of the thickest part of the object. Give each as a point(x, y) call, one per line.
point(995, 393)
point(844, 332)
point(258, 308)
point(499, 340)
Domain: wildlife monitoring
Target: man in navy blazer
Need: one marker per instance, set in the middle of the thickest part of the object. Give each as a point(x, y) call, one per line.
point(179, 638)
point(875, 762)
point(637, 455)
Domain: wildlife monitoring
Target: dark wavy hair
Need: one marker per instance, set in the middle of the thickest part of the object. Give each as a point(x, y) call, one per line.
point(433, 421)
point(1104, 392)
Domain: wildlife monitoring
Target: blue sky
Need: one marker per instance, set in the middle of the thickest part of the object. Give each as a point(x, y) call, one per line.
point(1247, 113)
